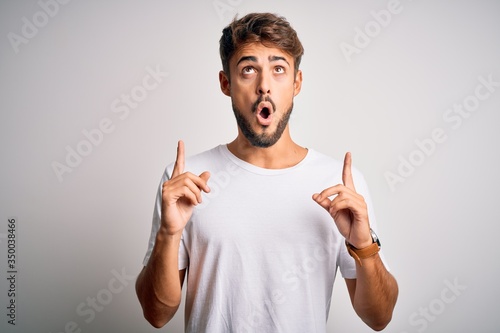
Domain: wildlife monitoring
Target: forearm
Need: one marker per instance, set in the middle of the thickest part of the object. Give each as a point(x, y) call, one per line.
point(159, 284)
point(376, 293)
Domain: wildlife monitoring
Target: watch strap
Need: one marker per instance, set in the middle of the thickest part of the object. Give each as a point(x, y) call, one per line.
point(363, 253)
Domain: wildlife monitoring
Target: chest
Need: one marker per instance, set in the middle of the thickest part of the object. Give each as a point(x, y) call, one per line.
point(248, 213)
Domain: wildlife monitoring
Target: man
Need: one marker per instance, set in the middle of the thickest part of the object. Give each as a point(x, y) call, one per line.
point(244, 221)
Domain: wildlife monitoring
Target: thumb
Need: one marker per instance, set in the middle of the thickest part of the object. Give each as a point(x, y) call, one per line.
point(323, 202)
point(205, 176)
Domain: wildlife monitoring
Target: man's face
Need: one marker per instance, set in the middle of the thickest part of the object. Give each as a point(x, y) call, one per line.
point(262, 87)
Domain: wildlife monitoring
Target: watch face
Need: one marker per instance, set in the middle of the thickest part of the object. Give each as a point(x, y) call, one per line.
point(375, 237)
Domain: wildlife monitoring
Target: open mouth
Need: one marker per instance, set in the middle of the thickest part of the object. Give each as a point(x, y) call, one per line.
point(264, 113)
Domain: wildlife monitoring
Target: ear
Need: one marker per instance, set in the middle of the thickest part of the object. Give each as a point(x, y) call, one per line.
point(225, 86)
point(298, 83)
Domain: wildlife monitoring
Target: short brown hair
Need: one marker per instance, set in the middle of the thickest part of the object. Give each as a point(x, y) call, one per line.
point(269, 29)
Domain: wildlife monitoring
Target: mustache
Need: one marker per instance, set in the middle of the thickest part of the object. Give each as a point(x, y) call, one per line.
point(263, 99)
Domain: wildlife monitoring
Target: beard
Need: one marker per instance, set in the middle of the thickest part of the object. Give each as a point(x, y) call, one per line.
point(265, 139)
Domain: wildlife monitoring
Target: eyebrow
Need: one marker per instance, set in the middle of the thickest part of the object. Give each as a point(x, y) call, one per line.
point(254, 59)
point(247, 58)
point(278, 58)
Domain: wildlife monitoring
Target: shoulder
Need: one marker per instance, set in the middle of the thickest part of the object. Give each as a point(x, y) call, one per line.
point(206, 156)
point(321, 164)
point(199, 162)
point(320, 159)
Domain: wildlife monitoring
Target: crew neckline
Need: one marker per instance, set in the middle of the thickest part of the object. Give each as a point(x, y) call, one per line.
point(259, 170)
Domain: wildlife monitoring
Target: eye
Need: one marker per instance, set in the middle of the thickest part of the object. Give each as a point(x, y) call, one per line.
point(279, 69)
point(248, 70)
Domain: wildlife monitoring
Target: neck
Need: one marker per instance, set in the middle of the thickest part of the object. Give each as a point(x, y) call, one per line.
point(283, 154)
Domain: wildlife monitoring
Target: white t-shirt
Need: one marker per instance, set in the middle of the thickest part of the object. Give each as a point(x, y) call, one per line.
point(261, 254)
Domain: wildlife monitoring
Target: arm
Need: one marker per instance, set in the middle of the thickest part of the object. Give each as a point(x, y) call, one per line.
point(374, 292)
point(159, 284)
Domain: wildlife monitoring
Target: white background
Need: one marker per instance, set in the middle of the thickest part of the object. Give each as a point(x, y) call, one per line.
point(438, 223)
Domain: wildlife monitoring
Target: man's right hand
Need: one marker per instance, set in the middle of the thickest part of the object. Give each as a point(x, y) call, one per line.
point(180, 194)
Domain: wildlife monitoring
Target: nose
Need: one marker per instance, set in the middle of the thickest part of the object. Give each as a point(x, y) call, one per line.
point(263, 84)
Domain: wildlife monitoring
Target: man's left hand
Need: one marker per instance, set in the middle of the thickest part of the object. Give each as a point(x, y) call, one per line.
point(348, 208)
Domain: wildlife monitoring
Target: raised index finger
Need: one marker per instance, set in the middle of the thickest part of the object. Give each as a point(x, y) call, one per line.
point(346, 172)
point(179, 160)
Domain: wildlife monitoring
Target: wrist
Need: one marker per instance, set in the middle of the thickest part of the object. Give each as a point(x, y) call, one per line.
point(364, 253)
point(360, 245)
point(366, 249)
point(361, 242)
point(164, 234)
